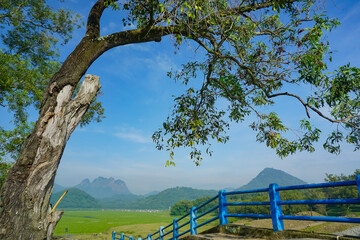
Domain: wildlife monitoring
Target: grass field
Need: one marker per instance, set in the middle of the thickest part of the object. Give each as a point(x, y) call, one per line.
point(100, 224)
point(87, 222)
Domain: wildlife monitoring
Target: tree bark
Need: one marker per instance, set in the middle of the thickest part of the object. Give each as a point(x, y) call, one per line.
point(26, 213)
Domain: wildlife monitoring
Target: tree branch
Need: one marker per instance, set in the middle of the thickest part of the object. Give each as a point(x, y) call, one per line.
point(154, 33)
point(79, 105)
point(254, 7)
point(344, 120)
point(93, 21)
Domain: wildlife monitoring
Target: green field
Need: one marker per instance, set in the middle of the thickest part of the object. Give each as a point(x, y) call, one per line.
point(87, 222)
point(98, 225)
point(102, 223)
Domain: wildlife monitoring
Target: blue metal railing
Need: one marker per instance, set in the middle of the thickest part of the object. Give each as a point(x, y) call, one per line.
point(275, 204)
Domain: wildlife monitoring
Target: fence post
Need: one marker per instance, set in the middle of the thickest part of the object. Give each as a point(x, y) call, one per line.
point(222, 208)
point(193, 221)
point(161, 233)
point(276, 212)
point(358, 182)
point(175, 229)
point(113, 235)
point(149, 237)
point(122, 236)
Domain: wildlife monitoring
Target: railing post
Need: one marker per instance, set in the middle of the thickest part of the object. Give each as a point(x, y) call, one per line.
point(149, 237)
point(113, 235)
point(193, 230)
point(175, 229)
point(358, 183)
point(276, 212)
point(222, 208)
point(161, 233)
point(122, 236)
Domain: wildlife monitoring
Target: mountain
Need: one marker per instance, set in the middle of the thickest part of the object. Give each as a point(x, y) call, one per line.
point(75, 198)
point(162, 200)
point(120, 201)
point(104, 187)
point(168, 197)
point(271, 175)
point(151, 193)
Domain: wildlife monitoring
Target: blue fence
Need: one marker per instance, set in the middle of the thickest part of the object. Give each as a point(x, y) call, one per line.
point(172, 231)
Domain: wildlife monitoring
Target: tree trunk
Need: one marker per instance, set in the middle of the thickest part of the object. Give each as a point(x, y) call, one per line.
point(26, 212)
point(25, 195)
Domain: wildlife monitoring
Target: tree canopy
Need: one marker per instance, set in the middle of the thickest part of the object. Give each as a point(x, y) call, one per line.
point(252, 59)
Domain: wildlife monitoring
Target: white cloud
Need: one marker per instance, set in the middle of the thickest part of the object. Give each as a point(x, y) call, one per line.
point(132, 135)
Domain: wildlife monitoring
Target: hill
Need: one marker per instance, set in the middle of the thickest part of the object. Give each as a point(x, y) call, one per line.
point(104, 187)
point(120, 201)
point(75, 198)
point(168, 197)
point(162, 200)
point(271, 175)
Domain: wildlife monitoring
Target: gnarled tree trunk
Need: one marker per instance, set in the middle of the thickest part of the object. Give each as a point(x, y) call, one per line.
point(26, 213)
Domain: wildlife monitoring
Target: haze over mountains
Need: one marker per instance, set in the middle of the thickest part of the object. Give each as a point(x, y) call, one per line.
point(113, 194)
point(103, 187)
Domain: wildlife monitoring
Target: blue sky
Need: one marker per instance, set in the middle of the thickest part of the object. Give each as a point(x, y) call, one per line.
point(137, 97)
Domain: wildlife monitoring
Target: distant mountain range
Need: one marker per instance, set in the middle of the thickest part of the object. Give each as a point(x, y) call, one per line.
point(104, 187)
point(109, 193)
point(163, 200)
point(77, 198)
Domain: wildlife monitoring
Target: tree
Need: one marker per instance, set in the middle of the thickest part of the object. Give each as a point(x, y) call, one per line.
point(31, 32)
point(252, 51)
point(349, 192)
point(181, 208)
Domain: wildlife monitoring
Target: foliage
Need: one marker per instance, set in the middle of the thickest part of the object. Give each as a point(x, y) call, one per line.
point(31, 32)
point(4, 168)
point(181, 208)
point(197, 202)
point(254, 52)
point(341, 192)
point(294, 195)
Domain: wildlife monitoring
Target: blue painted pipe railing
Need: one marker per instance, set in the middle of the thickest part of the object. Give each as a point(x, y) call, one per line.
point(275, 204)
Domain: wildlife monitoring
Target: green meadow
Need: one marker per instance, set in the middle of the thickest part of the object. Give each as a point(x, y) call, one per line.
point(87, 222)
point(100, 224)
